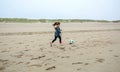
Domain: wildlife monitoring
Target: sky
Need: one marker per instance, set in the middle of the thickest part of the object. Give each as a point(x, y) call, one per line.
point(61, 9)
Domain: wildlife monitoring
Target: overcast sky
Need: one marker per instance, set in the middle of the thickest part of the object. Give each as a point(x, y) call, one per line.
point(61, 9)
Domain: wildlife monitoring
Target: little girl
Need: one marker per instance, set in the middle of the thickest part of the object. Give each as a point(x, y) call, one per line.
point(56, 25)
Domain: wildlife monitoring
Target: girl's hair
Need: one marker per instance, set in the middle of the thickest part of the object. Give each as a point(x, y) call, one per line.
point(56, 23)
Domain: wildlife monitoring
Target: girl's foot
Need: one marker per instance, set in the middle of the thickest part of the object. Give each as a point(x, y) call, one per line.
point(61, 43)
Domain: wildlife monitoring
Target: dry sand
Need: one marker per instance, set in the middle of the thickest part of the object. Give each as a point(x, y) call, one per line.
point(25, 48)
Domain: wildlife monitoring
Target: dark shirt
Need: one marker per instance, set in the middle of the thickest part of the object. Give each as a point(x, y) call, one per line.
point(57, 31)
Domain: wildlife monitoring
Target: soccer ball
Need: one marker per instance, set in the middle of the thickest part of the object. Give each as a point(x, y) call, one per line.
point(71, 41)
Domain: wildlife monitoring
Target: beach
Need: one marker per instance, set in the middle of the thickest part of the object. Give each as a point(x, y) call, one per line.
point(25, 47)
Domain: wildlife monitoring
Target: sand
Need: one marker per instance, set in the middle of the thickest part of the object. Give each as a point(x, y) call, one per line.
point(26, 48)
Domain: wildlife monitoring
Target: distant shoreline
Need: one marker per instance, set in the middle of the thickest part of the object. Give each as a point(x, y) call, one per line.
point(25, 20)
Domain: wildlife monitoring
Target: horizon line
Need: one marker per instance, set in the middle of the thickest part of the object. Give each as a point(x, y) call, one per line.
point(56, 18)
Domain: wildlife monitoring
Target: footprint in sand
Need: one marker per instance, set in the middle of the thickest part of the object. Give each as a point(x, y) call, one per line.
point(27, 63)
point(116, 56)
point(41, 49)
point(79, 69)
point(18, 55)
point(2, 68)
point(38, 57)
point(80, 63)
point(101, 60)
point(86, 64)
point(77, 63)
point(4, 61)
point(2, 64)
point(20, 43)
point(4, 51)
point(47, 64)
point(110, 50)
point(51, 68)
point(62, 48)
point(36, 65)
point(65, 57)
point(19, 63)
point(26, 49)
